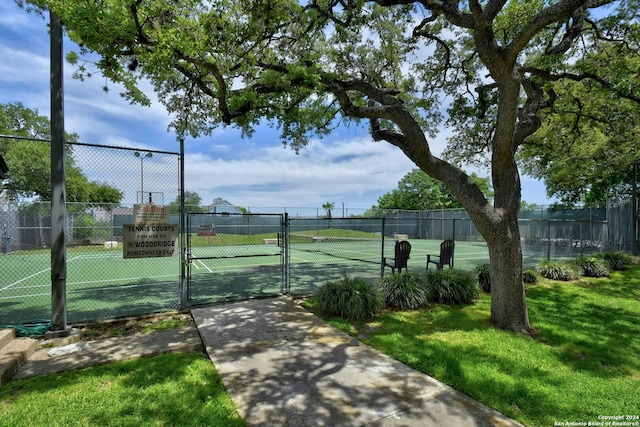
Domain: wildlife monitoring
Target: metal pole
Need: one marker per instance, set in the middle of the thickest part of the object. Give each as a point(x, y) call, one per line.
point(183, 256)
point(548, 240)
point(453, 237)
point(581, 241)
point(634, 212)
point(141, 180)
point(382, 249)
point(286, 285)
point(59, 327)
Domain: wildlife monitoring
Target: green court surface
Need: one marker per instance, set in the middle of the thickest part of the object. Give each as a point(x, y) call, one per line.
point(101, 284)
point(243, 271)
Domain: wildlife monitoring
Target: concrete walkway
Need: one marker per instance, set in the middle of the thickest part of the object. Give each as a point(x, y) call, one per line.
point(284, 366)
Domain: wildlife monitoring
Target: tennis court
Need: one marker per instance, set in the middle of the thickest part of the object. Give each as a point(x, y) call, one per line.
point(252, 263)
point(312, 264)
point(240, 271)
point(100, 284)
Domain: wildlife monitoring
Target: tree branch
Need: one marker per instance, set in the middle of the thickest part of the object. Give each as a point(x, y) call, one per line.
point(578, 78)
point(551, 14)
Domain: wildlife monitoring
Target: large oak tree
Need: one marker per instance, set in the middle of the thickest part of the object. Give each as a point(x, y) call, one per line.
point(396, 64)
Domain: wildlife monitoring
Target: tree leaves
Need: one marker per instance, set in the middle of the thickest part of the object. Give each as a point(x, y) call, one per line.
point(418, 191)
point(29, 160)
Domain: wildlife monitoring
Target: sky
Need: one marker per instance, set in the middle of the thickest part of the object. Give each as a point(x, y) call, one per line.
point(346, 168)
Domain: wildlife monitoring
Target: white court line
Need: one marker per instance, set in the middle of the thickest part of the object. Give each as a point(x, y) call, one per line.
point(205, 266)
point(24, 278)
point(34, 275)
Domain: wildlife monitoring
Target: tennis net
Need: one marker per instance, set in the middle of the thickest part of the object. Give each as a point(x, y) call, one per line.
point(358, 249)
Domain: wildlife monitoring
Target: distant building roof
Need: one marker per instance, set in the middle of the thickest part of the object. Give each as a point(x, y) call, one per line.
point(220, 205)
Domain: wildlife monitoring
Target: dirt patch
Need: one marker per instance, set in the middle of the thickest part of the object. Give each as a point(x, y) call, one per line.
point(130, 326)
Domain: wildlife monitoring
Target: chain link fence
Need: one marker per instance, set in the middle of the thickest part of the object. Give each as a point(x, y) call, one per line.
point(234, 255)
point(326, 249)
point(100, 283)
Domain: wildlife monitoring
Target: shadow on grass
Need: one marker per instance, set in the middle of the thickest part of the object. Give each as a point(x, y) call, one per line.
point(582, 335)
point(593, 333)
point(173, 389)
point(456, 345)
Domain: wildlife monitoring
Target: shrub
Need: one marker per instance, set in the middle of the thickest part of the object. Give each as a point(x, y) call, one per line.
point(530, 276)
point(617, 260)
point(592, 267)
point(483, 273)
point(452, 286)
point(406, 291)
point(557, 271)
point(351, 298)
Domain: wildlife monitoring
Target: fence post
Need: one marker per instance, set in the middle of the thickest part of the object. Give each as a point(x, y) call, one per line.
point(59, 327)
point(581, 241)
point(287, 272)
point(382, 249)
point(453, 237)
point(183, 249)
point(634, 211)
point(548, 240)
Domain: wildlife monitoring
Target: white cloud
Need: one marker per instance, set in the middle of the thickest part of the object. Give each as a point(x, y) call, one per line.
point(276, 176)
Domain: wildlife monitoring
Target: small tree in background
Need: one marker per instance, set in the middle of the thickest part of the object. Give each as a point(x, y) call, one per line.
point(329, 206)
point(29, 162)
point(418, 191)
point(192, 202)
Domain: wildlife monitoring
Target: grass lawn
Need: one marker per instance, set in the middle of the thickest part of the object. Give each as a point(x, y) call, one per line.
point(584, 363)
point(181, 389)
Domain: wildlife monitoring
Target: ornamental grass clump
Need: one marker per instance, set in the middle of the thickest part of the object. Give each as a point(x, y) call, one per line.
point(592, 267)
point(530, 276)
point(351, 298)
point(618, 260)
point(557, 271)
point(406, 291)
point(452, 286)
point(483, 273)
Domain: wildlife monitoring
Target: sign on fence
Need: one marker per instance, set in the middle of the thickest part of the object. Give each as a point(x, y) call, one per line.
point(150, 241)
point(206, 230)
point(151, 236)
point(150, 214)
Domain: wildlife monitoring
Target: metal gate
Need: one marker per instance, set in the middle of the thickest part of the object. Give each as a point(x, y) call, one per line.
point(233, 256)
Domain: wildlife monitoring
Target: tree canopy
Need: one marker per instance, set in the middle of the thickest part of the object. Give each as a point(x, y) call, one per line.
point(29, 160)
point(587, 146)
point(192, 201)
point(489, 67)
point(418, 191)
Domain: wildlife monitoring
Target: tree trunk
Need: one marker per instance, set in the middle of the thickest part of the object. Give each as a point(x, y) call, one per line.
point(508, 302)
